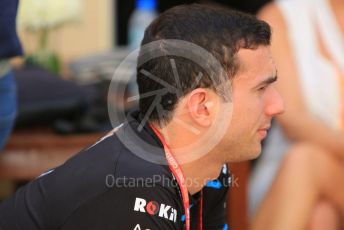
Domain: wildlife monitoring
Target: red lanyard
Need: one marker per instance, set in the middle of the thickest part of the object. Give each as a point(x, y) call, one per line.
point(200, 212)
point(178, 174)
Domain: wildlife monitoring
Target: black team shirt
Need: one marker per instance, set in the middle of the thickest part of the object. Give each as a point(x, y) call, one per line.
point(106, 186)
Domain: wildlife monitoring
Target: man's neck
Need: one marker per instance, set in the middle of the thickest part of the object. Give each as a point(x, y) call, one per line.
point(199, 172)
point(198, 167)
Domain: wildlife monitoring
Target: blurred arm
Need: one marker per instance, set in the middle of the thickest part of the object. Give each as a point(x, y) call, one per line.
point(298, 124)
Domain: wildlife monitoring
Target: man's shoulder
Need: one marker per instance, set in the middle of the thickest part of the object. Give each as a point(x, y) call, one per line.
point(105, 175)
point(108, 160)
point(128, 186)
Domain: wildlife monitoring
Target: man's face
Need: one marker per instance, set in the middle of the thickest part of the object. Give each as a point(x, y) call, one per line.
point(255, 102)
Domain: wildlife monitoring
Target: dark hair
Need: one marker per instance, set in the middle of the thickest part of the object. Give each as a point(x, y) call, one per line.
point(222, 32)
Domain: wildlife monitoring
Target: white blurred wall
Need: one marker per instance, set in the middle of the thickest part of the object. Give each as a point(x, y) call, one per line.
point(95, 33)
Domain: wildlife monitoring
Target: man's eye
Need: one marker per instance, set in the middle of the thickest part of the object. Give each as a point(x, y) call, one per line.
point(262, 88)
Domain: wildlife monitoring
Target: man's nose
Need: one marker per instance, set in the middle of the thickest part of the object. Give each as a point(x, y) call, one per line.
point(275, 104)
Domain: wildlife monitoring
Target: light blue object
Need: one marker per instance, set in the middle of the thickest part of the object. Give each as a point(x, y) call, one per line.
point(214, 184)
point(144, 13)
point(183, 216)
point(146, 4)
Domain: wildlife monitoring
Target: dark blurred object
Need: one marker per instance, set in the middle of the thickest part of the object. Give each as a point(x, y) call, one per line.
point(123, 10)
point(248, 6)
point(94, 118)
point(45, 98)
point(10, 44)
point(108, 67)
point(98, 67)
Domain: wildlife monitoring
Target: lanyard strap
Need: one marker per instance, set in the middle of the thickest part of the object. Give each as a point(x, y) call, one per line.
point(200, 212)
point(178, 174)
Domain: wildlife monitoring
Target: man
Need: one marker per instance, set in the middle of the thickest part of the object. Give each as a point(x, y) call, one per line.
point(196, 114)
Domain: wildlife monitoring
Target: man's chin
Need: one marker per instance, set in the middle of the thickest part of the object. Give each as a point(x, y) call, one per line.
point(244, 156)
point(257, 152)
point(252, 154)
point(249, 152)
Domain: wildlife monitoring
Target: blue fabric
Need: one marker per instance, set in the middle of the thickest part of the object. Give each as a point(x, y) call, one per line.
point(8, 106)
point(9, 42)
point(214, 184)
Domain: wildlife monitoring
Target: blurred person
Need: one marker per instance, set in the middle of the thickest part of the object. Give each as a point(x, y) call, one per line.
point(9, 47)
point(189, 124)
point(298, 180)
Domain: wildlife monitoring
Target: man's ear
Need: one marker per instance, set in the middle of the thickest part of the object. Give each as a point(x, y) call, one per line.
point(200, 106)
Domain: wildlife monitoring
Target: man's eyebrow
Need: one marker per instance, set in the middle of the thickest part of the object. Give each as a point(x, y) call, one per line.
point(267, 81)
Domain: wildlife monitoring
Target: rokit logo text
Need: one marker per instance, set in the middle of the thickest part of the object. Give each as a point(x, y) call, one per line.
point(154, 208)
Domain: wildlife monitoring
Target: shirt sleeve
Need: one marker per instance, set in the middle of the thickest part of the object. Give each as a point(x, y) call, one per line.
point(24, 210)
